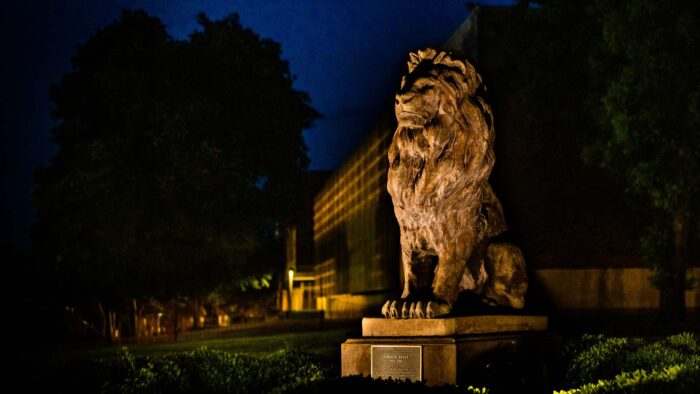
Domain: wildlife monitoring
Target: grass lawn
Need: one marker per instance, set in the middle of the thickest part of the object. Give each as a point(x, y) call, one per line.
point(322, 340)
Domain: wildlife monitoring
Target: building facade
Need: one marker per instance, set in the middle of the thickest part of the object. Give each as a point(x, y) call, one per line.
point(299, 251)
point(355, 232)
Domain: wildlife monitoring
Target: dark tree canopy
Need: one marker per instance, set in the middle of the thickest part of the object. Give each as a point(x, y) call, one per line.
point(651, 106)
point(618, 81)
point(627, 75)
point(176, 160)
point(650, 116)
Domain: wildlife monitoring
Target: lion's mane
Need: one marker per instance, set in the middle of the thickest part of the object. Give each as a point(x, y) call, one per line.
point(449, 159)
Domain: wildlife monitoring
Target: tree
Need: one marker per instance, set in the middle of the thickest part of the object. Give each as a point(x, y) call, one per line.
point(650, 121)
point(622, 79)
point(176, 161)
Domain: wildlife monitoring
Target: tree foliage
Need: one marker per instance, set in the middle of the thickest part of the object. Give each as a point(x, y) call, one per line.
point(621, 79)
point(650, 123)
point(176, 159)
point(651, 108)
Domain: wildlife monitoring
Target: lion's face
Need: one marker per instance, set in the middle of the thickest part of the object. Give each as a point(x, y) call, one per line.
point(428, 91)
point(418, 101)
point(431, 100)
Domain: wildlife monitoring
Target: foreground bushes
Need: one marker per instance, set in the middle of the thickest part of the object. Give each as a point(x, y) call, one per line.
point(214, 371)
point(199, 371)
point(594, 364)
point(597, 364)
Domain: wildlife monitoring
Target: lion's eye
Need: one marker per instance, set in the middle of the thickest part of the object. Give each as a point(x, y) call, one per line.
point(424, 86)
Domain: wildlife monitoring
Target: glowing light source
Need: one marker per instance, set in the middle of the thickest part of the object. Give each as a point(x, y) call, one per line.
point(289, 293)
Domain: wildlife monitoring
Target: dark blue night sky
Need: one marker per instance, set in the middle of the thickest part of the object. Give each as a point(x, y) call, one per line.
point(348, 55)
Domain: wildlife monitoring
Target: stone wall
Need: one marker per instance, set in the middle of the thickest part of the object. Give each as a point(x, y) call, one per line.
point(604, 288)
point(553, 289)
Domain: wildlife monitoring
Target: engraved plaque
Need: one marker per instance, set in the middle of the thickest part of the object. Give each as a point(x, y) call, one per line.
point(397, 362)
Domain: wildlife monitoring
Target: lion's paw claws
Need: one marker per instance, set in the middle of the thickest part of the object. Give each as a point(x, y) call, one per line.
point(436, 309)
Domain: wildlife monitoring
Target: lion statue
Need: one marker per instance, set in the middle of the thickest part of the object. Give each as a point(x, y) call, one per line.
point(440, 160)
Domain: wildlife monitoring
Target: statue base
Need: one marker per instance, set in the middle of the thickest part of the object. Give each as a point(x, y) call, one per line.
point(472, 350)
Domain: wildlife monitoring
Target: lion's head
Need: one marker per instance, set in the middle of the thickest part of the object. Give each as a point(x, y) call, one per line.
point(442, 114)
point(439, 85)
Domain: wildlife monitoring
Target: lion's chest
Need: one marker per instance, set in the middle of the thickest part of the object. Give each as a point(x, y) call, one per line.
point(424, 182)
point(425, 192)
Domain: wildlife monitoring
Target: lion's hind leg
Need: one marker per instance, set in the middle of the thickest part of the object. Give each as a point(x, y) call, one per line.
point(448, 276)
point(507, 279)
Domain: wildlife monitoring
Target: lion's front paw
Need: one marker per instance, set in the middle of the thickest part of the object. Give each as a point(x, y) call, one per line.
point(394, 309)
point(418, 312)
point(398, 309)
point(426, 310)
point(436, 309)
point(390, 311)
point(412, 310)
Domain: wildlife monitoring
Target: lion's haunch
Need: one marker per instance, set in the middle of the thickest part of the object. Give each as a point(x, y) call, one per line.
point(440, 159)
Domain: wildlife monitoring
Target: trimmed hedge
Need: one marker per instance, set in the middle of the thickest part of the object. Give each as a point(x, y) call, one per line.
point(594, 364)
point(199, 371)
point(215, 371)
point(632, 365)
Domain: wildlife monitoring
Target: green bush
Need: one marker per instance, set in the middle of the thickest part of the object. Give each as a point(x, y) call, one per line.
point(594, 364)
point(632, 365)
point(214, 371)
point(680, 379)
point(199, 371)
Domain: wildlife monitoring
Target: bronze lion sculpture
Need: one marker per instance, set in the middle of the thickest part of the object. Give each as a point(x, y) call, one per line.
point(440, 160)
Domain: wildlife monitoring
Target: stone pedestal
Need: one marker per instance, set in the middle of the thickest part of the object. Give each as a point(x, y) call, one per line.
point(472, 350)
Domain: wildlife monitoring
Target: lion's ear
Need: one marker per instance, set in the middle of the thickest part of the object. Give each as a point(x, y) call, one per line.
point(465, 68)
point(439, 57)
point(413, 61)
point(411, 66)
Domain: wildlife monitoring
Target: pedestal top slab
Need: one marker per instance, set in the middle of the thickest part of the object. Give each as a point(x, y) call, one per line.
point(465, 325)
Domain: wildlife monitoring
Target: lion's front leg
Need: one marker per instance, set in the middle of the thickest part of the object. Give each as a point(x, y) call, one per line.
point(395, 309)
point(448, 275)
point(442, 290)
point(419, 262)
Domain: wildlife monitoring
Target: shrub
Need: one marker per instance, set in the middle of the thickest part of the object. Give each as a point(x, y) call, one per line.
point(631, 365)
point(214, 371)
point(208, 371)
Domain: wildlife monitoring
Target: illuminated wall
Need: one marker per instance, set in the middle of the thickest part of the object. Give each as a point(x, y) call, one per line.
point(604, 288)
point(355, 231)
